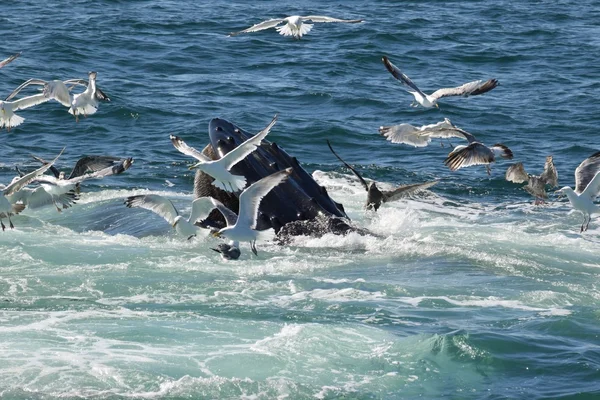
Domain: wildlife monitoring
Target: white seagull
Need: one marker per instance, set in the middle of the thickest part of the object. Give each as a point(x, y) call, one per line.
point(8, 118)
point(420, 136)
point(294, 25)
point(6, 207)
point(430, 100)
point(587, 188)
point(536, 185)
point(84, 103)
point(219, 169)
point(243, 230)
point(201, 208)
point(10, 59)
point(59, 187)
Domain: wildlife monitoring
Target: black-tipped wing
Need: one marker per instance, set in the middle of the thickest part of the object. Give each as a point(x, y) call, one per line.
point(405, 190)
point(586, 171)
point(9, 59)
point(516, 173)
point(23, 181)
point(182, 146)
point(468, 89)
point(271, 23)
point(362, 181)
point(53, 169)
point(115, 169)
point(89, 164)
point(474, 154)
point(396, 73)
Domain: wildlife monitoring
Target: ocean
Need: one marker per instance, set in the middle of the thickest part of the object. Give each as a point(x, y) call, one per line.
point(468, 291)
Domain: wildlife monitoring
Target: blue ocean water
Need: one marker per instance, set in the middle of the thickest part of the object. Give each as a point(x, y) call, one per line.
point(471, 292)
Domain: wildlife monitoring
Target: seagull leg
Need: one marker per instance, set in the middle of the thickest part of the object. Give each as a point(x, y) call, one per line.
point(583, 224)
point(2, 224)
point(489, 171)
point(253, 247)
point(10, 222)
point(588, 223)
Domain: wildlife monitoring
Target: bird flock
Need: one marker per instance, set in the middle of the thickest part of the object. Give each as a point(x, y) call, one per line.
point(62, 190)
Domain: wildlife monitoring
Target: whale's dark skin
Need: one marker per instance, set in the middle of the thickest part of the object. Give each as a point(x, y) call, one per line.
point(299, 199)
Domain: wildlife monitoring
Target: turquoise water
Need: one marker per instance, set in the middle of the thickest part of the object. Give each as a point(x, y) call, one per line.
point(471, 292)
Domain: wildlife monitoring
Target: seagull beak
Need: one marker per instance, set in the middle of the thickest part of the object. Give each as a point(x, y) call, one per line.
point(437, 106)
point(216, 234)
point(193, 167)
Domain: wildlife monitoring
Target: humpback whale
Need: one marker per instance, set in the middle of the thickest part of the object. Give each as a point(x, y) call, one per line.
point(298, 206)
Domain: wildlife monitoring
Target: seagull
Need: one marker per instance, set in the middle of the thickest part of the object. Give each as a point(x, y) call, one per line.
point(10, 59)
point(242, 230)
point(468, 89)
point(219, 169)
point(536, 185)
point(201, 208)
point(420, 136)
point(6, 207)
point(476, 153)
point(587, 188)
point(228, 251)
point(294, 25)
point(59, 187)
point(375, 196)
point(85, 103)
point(8, 118)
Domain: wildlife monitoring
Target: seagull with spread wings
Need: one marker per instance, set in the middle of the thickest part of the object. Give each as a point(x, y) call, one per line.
point(201, 208)
point(294, 25)
point(587, 188)
point(375, 196)
point(430, 100)
point(420, 136)
point(536, 185)
point(8, 208)
point(219, 169)
point(8, 118)
point(84, 103)
point(243, 228)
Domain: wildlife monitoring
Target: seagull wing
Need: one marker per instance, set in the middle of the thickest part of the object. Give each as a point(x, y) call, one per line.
point(187, 150)
point(100, 95)
point(550, 175)
point(405, 133)
point(239, 153)
point(260, 26)
point(253, 194)
point(586, 171)
point(322, 18)
point(29, 101)
point(23, 86)
point(9, 59)
point(405, 190)
point(468, 89)
point(593, 188)
point(57, 90)
point(18, 184)
point(201, 208)
point(474, 154)
point(39, 197)
point(92, 164)
point(446, 129)
point(516, 173)
point(396, 73)
point(155, 203)
point(230, 216)
point(362, 181)
point(53, 169)
point(108, 171)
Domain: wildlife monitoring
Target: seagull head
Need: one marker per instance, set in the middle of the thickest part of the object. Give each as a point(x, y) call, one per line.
point(176, 221)
point(565, 191)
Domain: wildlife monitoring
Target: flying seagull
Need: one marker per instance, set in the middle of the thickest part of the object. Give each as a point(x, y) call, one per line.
point(219, 169)
point(294, 25)
point(6, 207)
point(201, 208)
point(375, 196)
point(468, 89)
point(420, 136)
point(587, 188)
point(243, 229)
point(10, 59)
point(536, 185)
point(476, 153)
point(8, 118)
point(59, 187)
point(84, 103)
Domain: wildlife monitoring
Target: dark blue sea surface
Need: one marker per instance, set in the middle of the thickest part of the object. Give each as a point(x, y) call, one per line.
point(468, 292)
